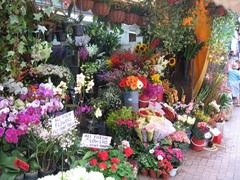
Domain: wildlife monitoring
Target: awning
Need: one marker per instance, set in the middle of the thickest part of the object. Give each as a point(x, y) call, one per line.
point(230, 4)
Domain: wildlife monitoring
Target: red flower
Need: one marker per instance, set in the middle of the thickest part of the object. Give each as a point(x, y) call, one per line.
point(93, 162)
point(122, 83)
point(113, 167)
point(155, 43)
point(143, 80)
point(128, 56)
point(102, 165)
point(103, 155)
point(21, 164)
point(128, 152)
point(116, 61)
point(115, 160)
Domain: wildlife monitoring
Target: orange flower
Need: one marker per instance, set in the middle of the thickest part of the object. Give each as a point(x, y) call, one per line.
point(187, 21)
point(132, 82)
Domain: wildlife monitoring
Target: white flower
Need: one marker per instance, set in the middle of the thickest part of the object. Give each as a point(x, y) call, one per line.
point(151, 151)
point(110, 178)
point(214, 105)
point(81, 79)
point(207, 135)
point(89, 86)
point(159, 157)
point(191, 120)
point(78, 90)
point(98, 113)
point(1, 87)
point(139, 84)
point(125, 143)
point(95, 176)
point(92, 50)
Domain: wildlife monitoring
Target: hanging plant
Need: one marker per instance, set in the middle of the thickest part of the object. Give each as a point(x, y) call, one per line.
point(101, 7)
point(117, 13)
point(132, 14)
point(84, 5)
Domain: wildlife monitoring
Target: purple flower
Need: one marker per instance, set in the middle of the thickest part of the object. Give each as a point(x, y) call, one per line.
point(1, 131)
point(11, 135)
point(153, 90)
point(82, 109)
point(83, 53)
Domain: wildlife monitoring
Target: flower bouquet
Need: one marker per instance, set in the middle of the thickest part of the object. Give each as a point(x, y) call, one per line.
point(179, 140)
point(131, 85)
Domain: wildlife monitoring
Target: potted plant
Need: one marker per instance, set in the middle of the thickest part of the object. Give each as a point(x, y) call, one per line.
point(101, 7)
point(131, 15)
point(84, 5)
point(117, 13)
point(148, 165)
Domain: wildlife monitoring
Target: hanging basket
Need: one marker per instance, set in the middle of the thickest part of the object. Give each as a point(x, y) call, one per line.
point(84, 5)
point(131, 18)
point(117, 16)
point(100, 9)
point(140, 21)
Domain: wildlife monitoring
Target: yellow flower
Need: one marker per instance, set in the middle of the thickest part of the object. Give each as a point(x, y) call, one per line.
point(156, 78)
point(172, 62)
point(109, 62)
point(141, 49)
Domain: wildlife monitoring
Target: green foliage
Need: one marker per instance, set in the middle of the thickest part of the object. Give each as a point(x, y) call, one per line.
point(147, 160)
point(225, 101)
point(107, 41)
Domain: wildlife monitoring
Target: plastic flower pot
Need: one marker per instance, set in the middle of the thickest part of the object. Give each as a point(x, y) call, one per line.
point(131, 18)
point(144, 172)
point(131, 99)
point(19, 177)
point(197, 144)
point(117, 16)
point(101, 9)
point(84, 5)
point(143, 101)
point(31, 176)
point(173, 172)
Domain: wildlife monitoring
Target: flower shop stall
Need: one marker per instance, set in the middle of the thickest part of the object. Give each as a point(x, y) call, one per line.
point(73, 103)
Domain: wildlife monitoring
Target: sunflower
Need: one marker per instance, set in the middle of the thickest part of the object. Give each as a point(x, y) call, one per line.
point(141, 49)
point(172, 62)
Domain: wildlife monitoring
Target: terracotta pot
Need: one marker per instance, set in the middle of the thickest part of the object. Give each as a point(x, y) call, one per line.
point(197, 144)
point(140, 21)
point(165, 176)
point(117, 16)
point(124, 178)
point(131, 18)
point(144, 172)
point(84, 5)
point(101, 9)
point(152, 173)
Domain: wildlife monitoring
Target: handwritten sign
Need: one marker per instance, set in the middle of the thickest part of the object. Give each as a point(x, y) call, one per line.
point(62, 124)
point(95, 141)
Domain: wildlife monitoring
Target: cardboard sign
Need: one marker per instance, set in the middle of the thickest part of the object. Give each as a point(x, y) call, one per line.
point(62, 124)
point(95, 141)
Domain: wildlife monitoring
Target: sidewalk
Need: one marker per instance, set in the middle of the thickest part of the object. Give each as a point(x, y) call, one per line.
point(223, 164)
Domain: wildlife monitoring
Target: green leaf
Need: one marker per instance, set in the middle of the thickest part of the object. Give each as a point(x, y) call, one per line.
point(37, 16)
point(41, 29)
point(89, 154)
point(21, 47)
point(14, 19)
point(48, 10)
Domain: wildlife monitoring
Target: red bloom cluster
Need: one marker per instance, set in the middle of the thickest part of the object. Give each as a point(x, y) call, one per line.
point(102, 166)
point(115, 160)
point(103, 155)
point(130, 123)
point(21, 164)
point(128, 152)
point(93, 162)
point(119, 58)
point(165, 165)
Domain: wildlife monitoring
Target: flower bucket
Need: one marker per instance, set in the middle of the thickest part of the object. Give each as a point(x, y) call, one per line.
point(31, 176)
point(143, 101)
point(153, 174)
point(165, 176)
point(144, 172)
point(131, 99)
point(173, 172)
point(19, 177)
point(84, 5)
point(197, 144)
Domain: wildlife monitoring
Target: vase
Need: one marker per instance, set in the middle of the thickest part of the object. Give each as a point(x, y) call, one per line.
point(78, 30)
point(131, 18)
point(131, 99)
point(19, 177)
point(100, 9)
point(173, 172)
point(84, 5)
point(197, 144)
point(31, 176)
point(117, 16)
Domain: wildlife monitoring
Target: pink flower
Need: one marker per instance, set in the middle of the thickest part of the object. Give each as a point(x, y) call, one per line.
point(1, 131)
point(11, 135)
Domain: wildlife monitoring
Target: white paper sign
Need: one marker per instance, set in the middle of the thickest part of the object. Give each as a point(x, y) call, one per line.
point(62, 124)
point(95, 141)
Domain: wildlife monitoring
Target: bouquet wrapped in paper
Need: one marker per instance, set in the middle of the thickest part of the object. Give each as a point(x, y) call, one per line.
point(150, 131)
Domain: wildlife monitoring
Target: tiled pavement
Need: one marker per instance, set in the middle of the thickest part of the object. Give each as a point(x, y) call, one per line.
point(223, 164)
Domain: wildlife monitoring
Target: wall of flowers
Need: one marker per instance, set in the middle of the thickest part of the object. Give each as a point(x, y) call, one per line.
point(51, 65)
